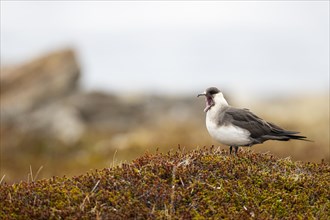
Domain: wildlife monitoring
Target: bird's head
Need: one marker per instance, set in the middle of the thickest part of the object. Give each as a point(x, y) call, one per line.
point(213, 96)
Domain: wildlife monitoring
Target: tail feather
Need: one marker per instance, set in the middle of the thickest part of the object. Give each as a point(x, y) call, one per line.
point(286, 135)
point(298, 137)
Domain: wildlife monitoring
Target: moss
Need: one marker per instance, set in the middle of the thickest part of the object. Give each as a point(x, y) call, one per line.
point(204, 183)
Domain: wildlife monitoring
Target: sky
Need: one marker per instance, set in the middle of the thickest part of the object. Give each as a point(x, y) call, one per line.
point(178, 47)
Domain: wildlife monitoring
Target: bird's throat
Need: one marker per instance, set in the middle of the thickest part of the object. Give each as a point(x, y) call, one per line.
point(209, 103)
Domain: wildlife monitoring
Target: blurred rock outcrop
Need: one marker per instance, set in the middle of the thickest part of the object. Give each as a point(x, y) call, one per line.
point(43, 97)
point(31, 96)
point(38, 82)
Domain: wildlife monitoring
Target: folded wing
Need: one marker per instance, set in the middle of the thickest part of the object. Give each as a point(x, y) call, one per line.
point(260, 130)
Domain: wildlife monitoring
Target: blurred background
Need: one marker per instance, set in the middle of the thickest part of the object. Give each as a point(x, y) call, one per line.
point(87, 85)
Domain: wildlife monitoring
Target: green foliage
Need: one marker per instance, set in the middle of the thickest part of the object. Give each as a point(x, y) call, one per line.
point(200, 184)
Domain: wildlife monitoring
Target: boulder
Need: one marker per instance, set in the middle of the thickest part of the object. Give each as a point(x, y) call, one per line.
point(29, 86)
point(42, 98)
point(57, 120)
point(108, 112)
point(33, 97)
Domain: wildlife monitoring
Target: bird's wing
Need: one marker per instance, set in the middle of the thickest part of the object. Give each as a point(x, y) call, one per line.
point(245, 119)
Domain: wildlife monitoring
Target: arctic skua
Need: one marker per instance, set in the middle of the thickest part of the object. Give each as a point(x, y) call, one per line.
point(237, 127)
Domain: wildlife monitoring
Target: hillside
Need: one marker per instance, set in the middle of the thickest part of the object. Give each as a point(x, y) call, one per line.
point(205, 183)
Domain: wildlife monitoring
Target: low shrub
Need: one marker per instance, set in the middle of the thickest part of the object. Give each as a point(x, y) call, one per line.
point(204, 183)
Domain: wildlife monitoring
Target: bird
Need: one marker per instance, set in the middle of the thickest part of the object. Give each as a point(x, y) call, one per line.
point(237, 127)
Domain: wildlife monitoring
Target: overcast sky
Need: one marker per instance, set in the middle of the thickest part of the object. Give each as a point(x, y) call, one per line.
point(260, 47)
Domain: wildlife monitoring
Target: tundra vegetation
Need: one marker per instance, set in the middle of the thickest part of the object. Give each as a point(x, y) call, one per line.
point(202, 184)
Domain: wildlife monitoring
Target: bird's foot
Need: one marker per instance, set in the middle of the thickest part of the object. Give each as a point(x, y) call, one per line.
point(231, 150)
point(236, 150)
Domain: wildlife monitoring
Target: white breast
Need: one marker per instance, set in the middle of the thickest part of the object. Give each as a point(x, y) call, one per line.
point(230, 135)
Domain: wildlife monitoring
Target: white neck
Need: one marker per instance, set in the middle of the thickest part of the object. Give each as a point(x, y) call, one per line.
point(219, 100)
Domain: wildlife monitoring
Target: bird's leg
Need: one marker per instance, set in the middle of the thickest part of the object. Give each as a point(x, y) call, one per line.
point(230, 149)
point(236, 149)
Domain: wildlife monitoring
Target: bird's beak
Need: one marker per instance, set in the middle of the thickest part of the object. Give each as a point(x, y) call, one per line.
point(202, 94)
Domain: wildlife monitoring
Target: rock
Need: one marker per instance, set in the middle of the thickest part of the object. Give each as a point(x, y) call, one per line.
point(36, 83)
point(33, 97)
point(57, 120)
point(42, 98)
point(108, 112)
